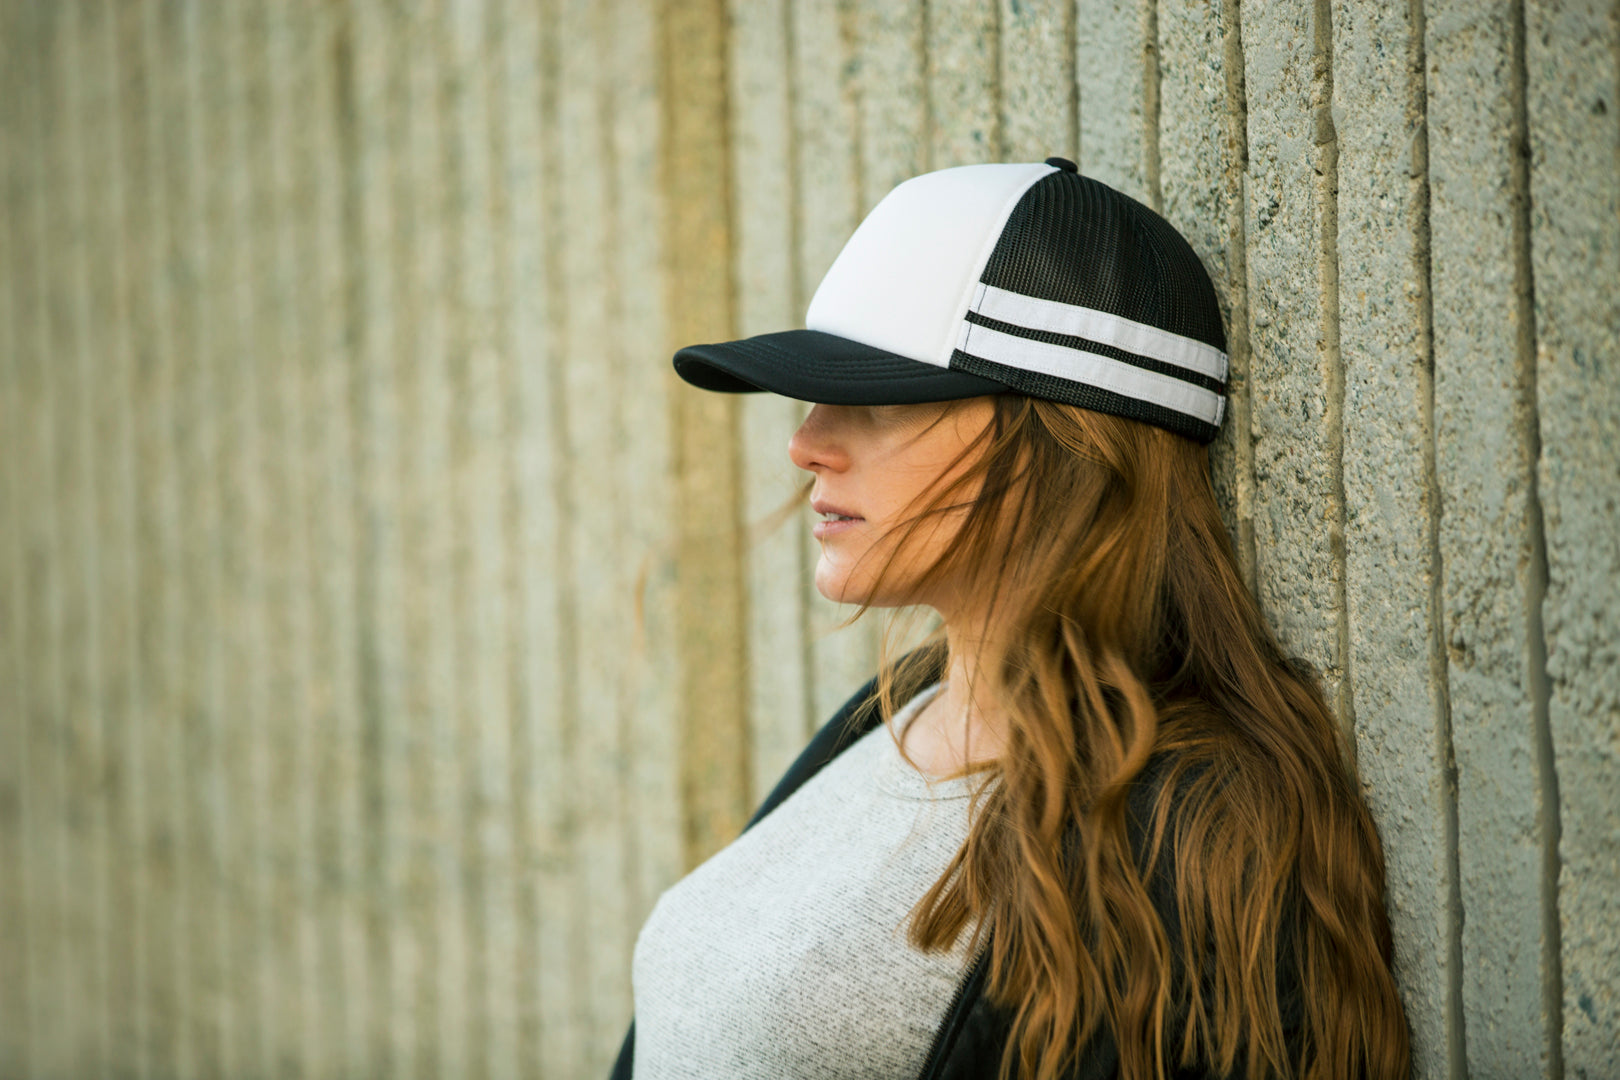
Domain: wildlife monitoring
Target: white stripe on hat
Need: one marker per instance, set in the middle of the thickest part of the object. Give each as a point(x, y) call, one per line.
point(1104, 328)
point(1092, 369)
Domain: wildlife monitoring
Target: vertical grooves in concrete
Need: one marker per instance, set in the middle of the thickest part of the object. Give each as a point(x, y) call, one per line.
point(998, 140)
point(353, 591)
point(16, 819)
point(1540, 688)
point(52, 1020)
point(1456, 1025)
point(533, 641)
point(131, 992)
point(698, 290)
point(622, 581)
point(1150, 104)
point(590, 370)
point(256, 734)
point(291, 165)
point(501, 847)
point(87, 686)
point(445, 988)
point(365, 845)
point(128, 83)
point(1071, 42)
point(380, 97)
point(42, 901)
point(1235, 120)
point(1326, 153)
point(925, 16)
point(849, 37)
point(338, 550)
point(645, 474)
point(168, 749)
point(44, 1016)
point(274, 273)
point(241, 494)
point(476, 435)
point(211, 823)
point(571, 1011)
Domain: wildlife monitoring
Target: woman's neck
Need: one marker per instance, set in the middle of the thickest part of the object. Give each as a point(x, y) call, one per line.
point(962, 726)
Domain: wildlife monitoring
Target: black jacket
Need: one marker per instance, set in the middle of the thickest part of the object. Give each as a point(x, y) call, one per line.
point(973, 1035)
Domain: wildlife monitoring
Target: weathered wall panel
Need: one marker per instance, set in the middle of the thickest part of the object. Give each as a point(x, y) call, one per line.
point(1203, 150)
point(380, 621)
point(103, 426)
point(1489, 535)
point(15, 824)
point(159, 921)
point(1115, 66)
point(1296, 385)
point(547, 962)
point(20, 937)
point(964, 124)
point(1573, 67)
point(66, 973)
point(378, 140)
point(1039, 93)
point(765, 165)
point(699, 300)
point(594, 441)
point(646, 474)
point(1397, 670)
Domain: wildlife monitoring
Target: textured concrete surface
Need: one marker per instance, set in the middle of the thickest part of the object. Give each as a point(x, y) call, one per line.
point(890, 75)
point(1573, 105)
point(370, 653)
point(1296, 385)
point(764, 164)
point(1396, 668)
point(1038, 92)
point(646, 464)
point(1202, 152)
point(699, 301)
point(965, 124)
point(541, 774)
point(15, 827)
point(1115, 58)
point(1489, 537)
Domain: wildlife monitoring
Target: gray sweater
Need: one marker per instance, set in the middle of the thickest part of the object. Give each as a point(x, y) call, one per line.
point(786, 953)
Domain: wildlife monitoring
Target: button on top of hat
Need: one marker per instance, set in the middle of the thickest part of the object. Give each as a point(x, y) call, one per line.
point(1063, 163)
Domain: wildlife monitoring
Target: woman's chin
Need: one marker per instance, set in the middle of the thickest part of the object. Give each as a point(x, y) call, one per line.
point(839, 584)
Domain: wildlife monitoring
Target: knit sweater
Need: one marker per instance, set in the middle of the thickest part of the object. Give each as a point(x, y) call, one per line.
point(786, 953)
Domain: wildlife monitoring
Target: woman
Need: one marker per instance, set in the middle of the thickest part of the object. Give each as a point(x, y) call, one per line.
point(1099, 826)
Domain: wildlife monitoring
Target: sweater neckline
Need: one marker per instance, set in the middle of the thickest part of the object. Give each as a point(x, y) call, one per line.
point(900, 778)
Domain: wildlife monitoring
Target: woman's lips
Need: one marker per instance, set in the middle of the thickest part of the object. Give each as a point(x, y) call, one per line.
point(834, 520)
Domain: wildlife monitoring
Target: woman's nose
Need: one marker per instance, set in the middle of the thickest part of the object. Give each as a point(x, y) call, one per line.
point(816, 443)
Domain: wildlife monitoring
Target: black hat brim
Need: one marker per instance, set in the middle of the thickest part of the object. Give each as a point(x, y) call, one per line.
point(814, 366)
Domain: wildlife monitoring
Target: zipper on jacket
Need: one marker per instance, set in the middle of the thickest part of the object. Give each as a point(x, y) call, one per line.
point(955, 1015)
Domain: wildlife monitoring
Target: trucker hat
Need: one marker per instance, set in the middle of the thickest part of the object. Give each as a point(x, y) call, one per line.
point(1000, 278)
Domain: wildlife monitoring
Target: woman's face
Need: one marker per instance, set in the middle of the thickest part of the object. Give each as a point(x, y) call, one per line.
point(872, 464)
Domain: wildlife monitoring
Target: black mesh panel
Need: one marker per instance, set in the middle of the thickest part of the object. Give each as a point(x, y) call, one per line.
point(1076, 241)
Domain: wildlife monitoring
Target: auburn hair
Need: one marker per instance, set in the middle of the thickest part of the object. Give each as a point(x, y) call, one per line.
point(1128, 657)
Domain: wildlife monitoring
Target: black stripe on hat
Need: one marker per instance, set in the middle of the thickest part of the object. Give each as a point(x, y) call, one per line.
point(1038, 384)
point(1146, 363)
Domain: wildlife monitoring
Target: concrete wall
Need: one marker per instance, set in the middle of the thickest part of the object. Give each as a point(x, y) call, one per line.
point(382, 627)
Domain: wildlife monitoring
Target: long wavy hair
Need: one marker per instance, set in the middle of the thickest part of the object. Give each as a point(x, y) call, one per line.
point(1126, 646)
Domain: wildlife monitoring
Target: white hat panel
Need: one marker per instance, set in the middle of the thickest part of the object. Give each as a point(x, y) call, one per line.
point(904, 280)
